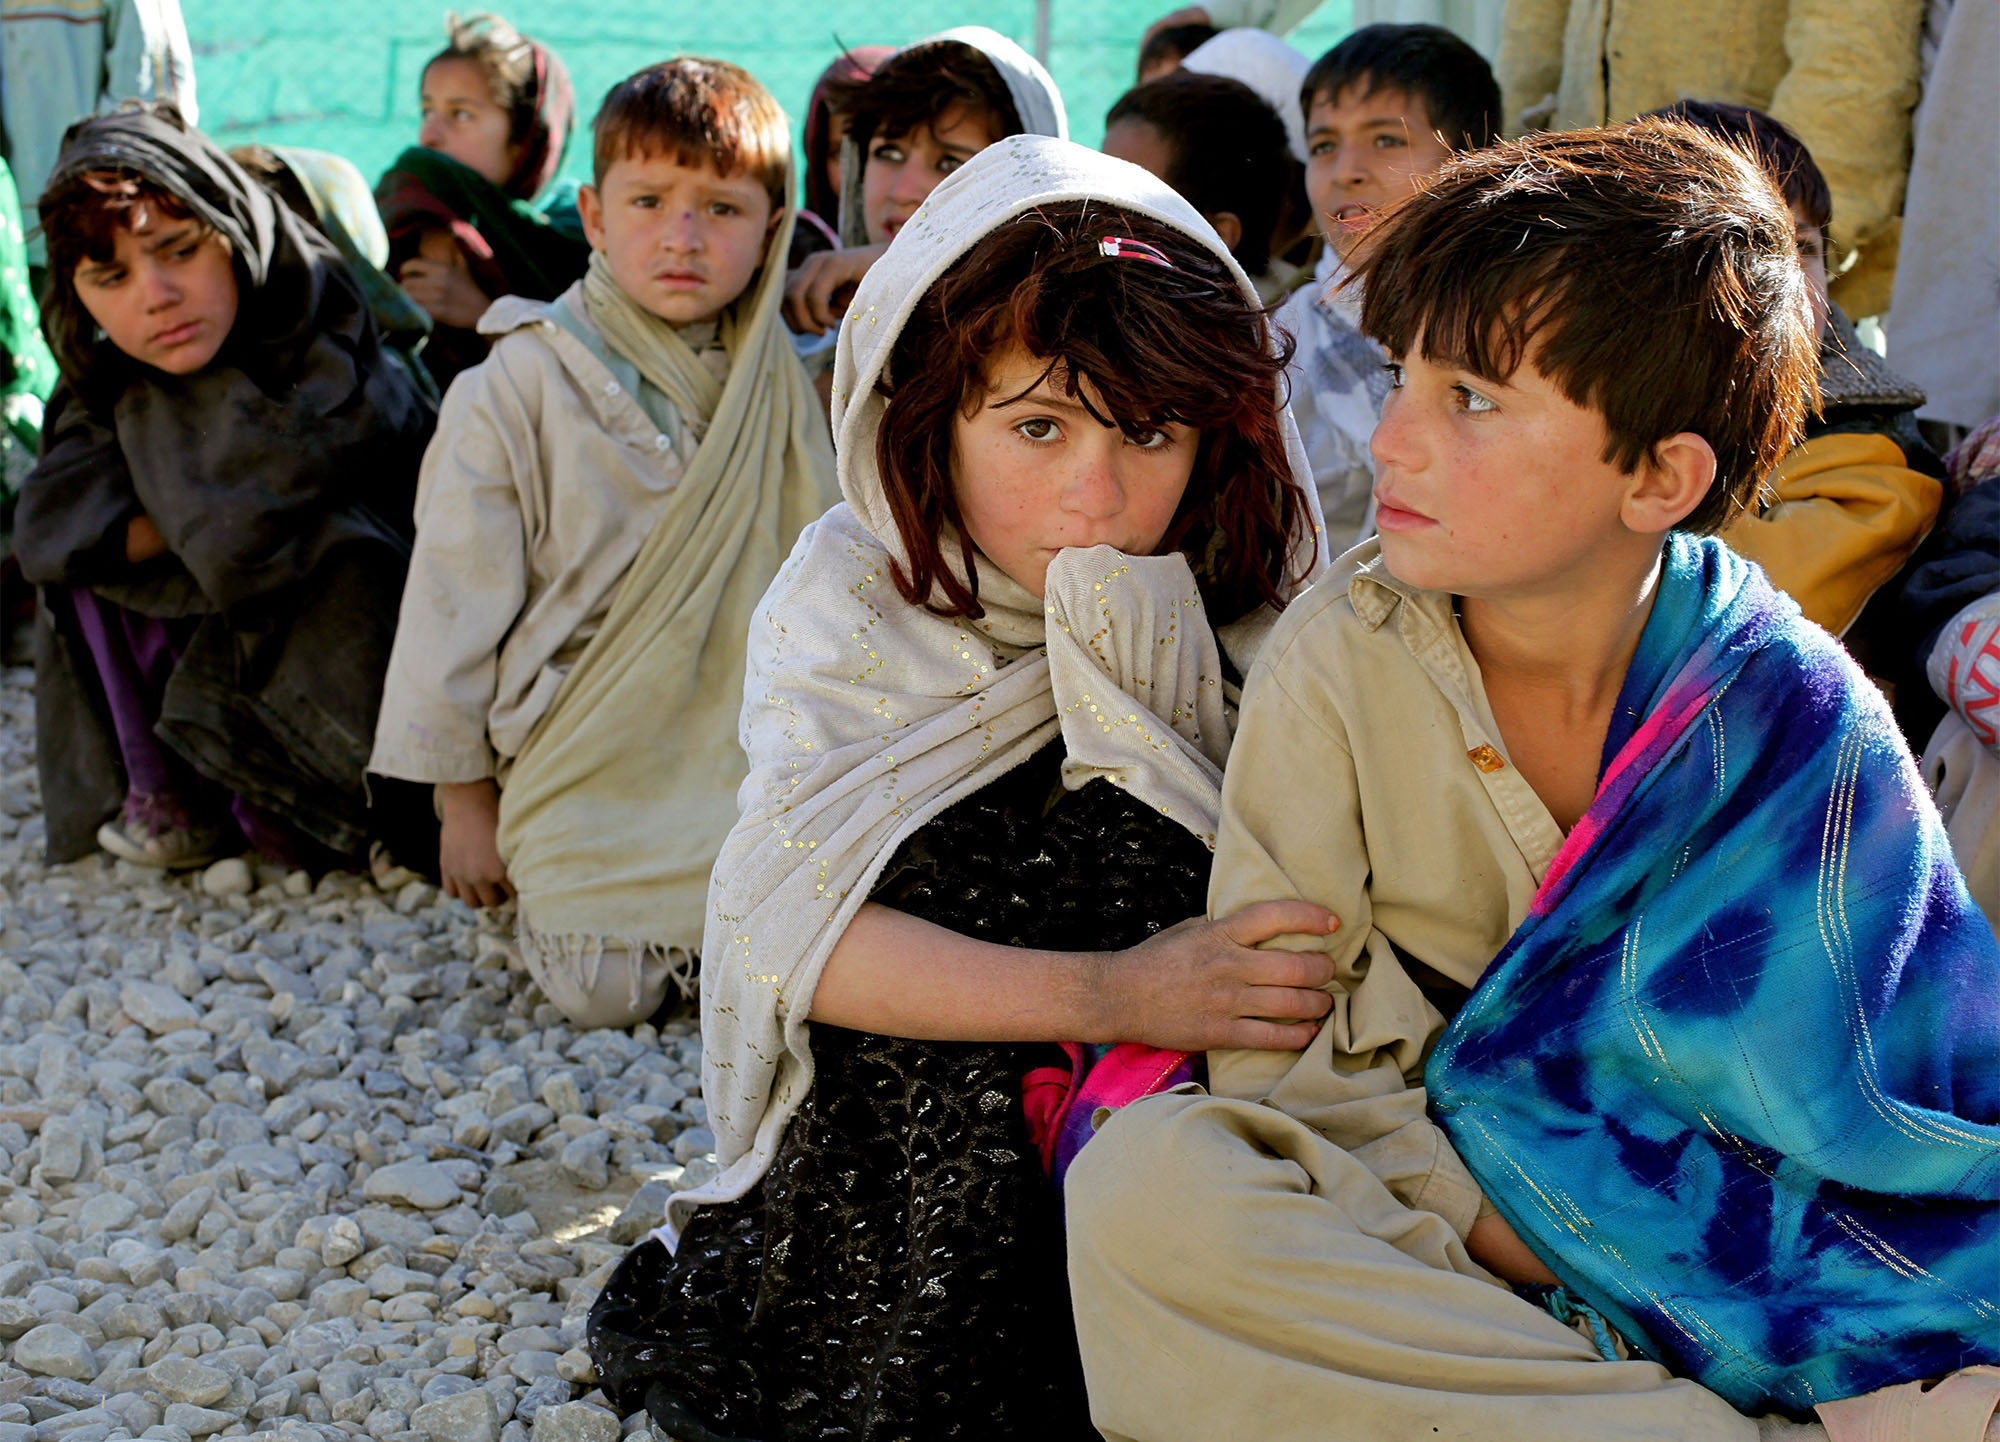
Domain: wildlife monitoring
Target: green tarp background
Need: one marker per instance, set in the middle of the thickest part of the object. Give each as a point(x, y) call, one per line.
point(342, 75)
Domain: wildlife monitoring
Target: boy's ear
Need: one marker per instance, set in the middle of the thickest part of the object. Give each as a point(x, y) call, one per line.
point(1228, 227)
point(1669, 483)
point(590, 210)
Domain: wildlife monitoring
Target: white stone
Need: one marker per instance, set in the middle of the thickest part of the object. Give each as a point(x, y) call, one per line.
point(229, 877)
point(106, 1212)
point(182, 1379)
point(468, 1417)
point(342, 1242)
point(159, 1009)
point(53, 1350)
point(575, 1422)
point(415, 1184)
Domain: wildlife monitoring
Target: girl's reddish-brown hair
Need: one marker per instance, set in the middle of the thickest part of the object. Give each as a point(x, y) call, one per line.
point(1158, 344)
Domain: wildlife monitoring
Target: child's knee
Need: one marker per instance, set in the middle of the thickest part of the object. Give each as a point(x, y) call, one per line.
point(1148, 1178)
point(610, 986)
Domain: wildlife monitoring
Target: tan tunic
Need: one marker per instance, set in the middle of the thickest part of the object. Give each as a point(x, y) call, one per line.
point(544, 479)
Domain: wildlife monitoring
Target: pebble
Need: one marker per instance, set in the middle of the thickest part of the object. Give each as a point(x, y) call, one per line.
point(575, 1422)
point(415, 1184)
point(228, 877)
point(53, 1350)
point(273, 1146)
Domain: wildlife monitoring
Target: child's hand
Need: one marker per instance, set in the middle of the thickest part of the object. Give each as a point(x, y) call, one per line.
point(468, 849)
point(143, 540)
point(1499, 1249)
point(817, 293)
point(1204, 986)
point(438, 279)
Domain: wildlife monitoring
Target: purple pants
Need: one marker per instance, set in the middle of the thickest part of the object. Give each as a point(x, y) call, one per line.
point(135, 656)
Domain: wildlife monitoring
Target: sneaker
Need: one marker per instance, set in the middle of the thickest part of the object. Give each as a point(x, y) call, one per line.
point(162, 836)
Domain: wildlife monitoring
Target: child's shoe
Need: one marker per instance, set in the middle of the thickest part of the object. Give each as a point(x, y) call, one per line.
point(152, 831)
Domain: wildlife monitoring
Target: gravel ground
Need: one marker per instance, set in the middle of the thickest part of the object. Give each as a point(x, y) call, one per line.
point(303, 1159)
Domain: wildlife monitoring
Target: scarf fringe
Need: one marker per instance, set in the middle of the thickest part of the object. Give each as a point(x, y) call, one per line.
point(578, 959)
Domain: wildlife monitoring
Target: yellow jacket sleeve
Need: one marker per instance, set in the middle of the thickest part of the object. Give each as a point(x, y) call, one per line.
point(1530, 64)
point(1848, 514)
point(1854, 78)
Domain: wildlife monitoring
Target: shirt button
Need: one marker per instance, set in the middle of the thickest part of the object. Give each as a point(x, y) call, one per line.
point(612, 388)
point(660, 443)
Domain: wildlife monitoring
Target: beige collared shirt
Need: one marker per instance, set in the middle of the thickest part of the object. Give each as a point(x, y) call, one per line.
point(1368, 775)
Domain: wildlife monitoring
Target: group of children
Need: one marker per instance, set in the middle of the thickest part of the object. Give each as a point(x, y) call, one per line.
point(1258, 857)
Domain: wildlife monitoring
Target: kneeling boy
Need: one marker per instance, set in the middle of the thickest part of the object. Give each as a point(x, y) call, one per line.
point(1657, 993)
point(607, 497)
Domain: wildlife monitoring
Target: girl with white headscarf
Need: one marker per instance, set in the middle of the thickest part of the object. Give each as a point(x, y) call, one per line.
point(989, 699)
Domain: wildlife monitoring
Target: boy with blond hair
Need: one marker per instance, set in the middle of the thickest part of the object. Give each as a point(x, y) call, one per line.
point(608, 496)
point(1660, 1094)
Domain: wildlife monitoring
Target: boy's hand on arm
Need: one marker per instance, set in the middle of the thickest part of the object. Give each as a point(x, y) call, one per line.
point(817, 293)
point(1204, 985)
point(468, 848)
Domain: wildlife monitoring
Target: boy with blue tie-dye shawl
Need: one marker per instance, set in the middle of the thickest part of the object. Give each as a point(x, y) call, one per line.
point(1660, 1097)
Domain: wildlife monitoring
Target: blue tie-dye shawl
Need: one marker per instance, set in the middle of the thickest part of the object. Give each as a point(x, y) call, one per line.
point(1737, 1076)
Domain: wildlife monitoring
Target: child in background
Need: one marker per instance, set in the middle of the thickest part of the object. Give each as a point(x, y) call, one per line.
point(1657, 994)
point(1217, 143)
point(1847, 506)
point(987, 709)
point(927, 110)
point(220, 519)
point(1384, 109)
point(461, 207)
point(609, 494)
point(824, 135)
point(1165, 48)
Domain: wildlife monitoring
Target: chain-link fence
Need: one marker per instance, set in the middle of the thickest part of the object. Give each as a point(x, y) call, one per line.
point(342, 75)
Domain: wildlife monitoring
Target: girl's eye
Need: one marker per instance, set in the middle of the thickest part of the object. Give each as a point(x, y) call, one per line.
point(1387, 141)
point(887, 150)
point(461, 116)
point(1395, 371)
point(1318, 148)
point(1472, 401)
point(1039, 429)
point(1155, 440)
point(948, 163)
point(186, 252)
point(722, 207)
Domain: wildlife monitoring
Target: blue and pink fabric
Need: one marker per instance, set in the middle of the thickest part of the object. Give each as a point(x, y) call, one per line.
point(1736, 1078)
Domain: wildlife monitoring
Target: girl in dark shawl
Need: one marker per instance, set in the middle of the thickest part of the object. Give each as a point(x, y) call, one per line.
point(220, 520)
point(466, 209)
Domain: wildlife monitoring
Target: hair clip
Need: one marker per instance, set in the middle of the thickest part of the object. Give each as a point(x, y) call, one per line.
point(1117, 247)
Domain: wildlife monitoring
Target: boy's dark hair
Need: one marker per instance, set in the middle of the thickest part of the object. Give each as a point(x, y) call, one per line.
point(1772, 142)
point(1453, 80)
point(1229, 151)
point(698, 111)
point(1160, 344)
point(916, 86)
point(505, 57)
point(1175, 43)
point(1648, 270)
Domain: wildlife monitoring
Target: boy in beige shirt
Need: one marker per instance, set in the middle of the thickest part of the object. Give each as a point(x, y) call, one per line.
point(1655, 988)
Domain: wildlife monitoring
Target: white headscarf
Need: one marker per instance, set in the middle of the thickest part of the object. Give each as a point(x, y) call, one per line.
point(1029, 86)
point(865, 716)
point(1267, 65)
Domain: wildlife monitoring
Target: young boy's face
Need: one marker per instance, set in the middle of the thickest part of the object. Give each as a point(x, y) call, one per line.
point(1363, 153)
point(1494, 491)
point(901, 170)
point(682, 240)
point(1812, 256)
